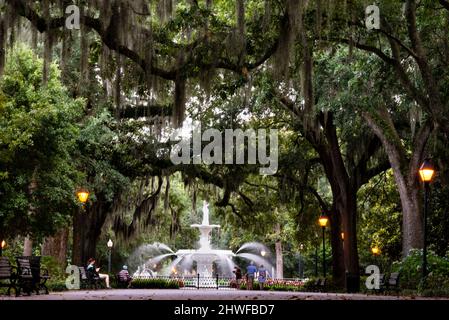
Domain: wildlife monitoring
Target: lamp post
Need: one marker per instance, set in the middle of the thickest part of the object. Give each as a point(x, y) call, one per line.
point(300, 262)
point(110, 244)
point(316, 255)
point(323, 222)
point(426, 172)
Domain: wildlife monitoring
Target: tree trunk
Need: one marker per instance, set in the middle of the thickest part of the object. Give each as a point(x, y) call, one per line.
point(405, 170)
point(78, 238)
point(345, 201)
point(87, 225)
point(279, 257)
point(56, 247)
point(28, 246)
point(338, 263)
point(412, 227)
point(351, 256)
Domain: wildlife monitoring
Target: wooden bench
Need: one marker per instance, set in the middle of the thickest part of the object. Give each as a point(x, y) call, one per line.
point(89, 280)
point(7, 272)
point(319, 285)
point(392, 284)
point(322, 285)
point(30, 276)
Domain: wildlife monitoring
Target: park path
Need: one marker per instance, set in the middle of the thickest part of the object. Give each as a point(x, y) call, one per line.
point(168, 294)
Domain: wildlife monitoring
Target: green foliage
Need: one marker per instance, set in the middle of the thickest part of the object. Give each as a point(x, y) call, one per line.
point(410, 271)
point(55, 270)
point(56, 286)
point(156, 284)
point(276, 285)
point(380, 221)
point(38, 131)
point(309, 285)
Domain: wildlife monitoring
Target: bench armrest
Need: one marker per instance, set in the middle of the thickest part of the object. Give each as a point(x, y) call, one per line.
point(25, 271)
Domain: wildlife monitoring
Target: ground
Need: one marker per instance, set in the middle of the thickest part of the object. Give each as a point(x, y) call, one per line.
point(166, 294)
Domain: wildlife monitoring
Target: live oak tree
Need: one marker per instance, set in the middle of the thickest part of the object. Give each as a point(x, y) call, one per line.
point(38, 131)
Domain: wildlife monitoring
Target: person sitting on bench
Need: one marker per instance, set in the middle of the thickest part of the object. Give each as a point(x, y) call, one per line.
point(91, 267)
point(124, 276)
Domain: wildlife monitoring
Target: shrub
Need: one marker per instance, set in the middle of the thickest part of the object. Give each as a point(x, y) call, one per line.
point(55, 270)
point(309, 285)
point(56, 286)
point(410, 271)
point(277, 285)
point(154, 283)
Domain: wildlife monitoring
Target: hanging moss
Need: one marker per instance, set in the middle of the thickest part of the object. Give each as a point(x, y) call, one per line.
point(84, 62)
point(267, 15)
point(209, 4)
point(318, 19)
point(165, 10)
point(11, 18)
point(65, 39)
point(48, 45)
point(240, 35)
point(180, 102)
point(167, 194)
point(48, 42)
point(118, 85)
point(2, 44)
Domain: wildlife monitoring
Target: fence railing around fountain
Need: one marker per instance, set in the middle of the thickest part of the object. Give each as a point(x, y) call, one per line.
point(198, 281)
point(218, 282)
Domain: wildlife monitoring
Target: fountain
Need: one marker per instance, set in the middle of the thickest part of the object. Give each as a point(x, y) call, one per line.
point(204, 257)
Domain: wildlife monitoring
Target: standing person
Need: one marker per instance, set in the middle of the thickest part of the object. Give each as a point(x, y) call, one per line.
point(250, 274)
point(238, 276)
point(92, 268)
point(263, 275)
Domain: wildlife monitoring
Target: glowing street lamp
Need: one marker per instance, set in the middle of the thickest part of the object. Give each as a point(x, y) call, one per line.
point(83, 195)
point(322, 221)
point(263, 253)
point(426, 172)
point(375, 250)
point(2, 246)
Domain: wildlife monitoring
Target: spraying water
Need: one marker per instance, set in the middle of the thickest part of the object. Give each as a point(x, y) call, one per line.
point(203, 258)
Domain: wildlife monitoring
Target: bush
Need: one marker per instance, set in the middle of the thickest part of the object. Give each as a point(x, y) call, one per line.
point(309, 285)
point(55, 270)
point(276, 285)
point(410, 271)
point(56, 286)
point(156, 284)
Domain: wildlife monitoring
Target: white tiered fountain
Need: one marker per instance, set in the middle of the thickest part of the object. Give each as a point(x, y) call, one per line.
point(205, 255)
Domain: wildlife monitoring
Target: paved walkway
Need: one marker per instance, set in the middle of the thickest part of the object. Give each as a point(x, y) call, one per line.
point(167, 294)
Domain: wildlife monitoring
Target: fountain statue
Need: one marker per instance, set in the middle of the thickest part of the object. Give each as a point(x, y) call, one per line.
point(205, 256)
point(205, 228)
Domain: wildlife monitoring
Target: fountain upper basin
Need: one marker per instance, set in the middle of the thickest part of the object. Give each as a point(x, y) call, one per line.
point(205, 251)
